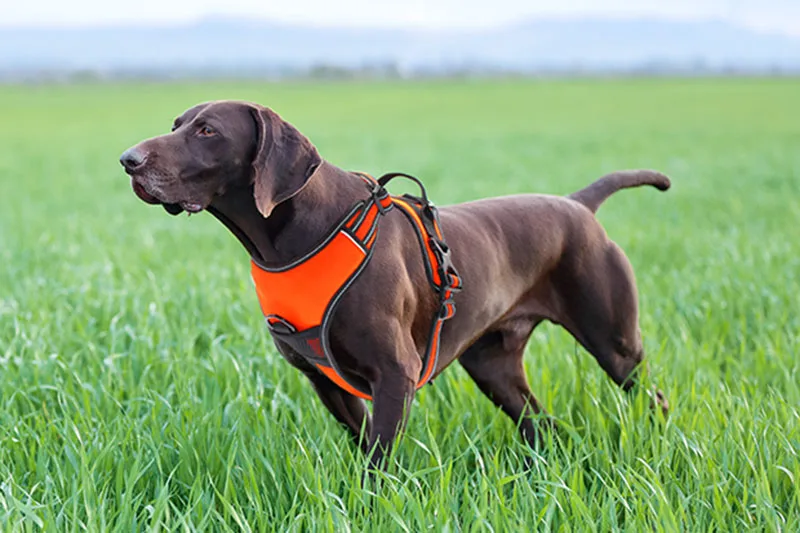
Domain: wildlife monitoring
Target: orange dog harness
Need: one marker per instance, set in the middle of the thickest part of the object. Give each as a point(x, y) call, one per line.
point(299, 299)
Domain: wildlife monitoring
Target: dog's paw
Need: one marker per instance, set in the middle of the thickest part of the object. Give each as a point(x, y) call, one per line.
point(658, 401)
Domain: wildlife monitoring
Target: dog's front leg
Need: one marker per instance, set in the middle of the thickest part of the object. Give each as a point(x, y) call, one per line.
point(393, 392)
point(392, 402)
point(348, 410)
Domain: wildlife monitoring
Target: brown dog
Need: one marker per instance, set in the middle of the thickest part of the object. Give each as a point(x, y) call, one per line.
point(523, 259)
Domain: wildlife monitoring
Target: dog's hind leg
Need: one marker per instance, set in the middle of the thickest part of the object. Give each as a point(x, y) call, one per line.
point(494, 362)
point(599, 307)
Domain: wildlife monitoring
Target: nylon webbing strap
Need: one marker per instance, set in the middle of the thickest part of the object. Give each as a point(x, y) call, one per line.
point(449, 279)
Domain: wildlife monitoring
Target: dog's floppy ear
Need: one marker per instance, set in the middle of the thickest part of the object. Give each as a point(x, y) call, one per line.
point(284, 160)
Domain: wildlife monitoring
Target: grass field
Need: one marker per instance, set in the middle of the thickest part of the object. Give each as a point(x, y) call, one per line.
point(139, 389)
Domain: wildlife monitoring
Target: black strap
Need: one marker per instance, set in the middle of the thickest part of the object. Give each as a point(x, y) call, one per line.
point(429, 215)
point(450, 281)
point(386, 178)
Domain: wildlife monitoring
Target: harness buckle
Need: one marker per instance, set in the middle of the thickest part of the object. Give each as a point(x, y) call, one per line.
point(447, 271)
point(279, 325)
point(447, 309)
point(379, 196)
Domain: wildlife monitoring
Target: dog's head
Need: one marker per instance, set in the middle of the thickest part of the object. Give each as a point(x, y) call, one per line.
point(216, 146)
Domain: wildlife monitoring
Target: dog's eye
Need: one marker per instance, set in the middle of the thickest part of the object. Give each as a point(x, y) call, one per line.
point(206, 131)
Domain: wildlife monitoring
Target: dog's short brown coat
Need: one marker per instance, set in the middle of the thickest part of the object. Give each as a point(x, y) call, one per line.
point(523, 259)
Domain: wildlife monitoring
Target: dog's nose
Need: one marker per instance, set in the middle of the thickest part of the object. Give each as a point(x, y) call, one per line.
point(132, 158)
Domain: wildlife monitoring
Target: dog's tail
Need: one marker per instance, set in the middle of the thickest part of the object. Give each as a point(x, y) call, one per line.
point(596, 193)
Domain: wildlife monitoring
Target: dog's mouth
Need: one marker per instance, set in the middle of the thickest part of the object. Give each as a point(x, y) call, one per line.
point(143, 195)
point(171, 208)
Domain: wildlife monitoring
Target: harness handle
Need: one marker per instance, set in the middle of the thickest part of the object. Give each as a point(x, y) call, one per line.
point(386, 178)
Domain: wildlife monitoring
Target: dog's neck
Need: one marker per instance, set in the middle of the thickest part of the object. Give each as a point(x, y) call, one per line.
point(296, 225)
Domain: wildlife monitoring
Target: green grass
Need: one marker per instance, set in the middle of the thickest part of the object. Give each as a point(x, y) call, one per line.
point(139, 389)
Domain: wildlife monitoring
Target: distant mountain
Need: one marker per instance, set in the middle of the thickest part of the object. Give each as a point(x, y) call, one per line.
point(231, 44)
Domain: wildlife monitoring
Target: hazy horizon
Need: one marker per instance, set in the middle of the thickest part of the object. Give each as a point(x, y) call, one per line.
point(774, 16)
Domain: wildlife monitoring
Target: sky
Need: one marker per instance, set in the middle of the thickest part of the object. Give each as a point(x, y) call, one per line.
point(769, 15)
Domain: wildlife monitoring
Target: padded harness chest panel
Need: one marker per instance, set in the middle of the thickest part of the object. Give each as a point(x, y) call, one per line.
point(300, 295)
